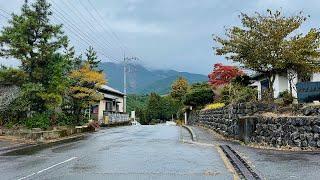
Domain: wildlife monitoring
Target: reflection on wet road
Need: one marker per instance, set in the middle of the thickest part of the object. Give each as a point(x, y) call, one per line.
point(136, 152)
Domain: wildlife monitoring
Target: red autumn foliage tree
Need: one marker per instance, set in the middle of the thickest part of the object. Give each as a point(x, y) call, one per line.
point(222, 75)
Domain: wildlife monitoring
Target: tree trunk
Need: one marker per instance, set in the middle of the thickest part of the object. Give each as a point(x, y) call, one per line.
point(271, 78)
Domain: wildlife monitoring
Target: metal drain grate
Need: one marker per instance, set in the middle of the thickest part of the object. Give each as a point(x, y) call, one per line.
point(240, 165)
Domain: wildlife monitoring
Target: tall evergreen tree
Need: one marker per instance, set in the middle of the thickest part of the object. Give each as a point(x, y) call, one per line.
point(92, 59)
point(31, 38)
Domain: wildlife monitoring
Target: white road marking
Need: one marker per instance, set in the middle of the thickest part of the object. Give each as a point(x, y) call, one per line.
point(46, 169)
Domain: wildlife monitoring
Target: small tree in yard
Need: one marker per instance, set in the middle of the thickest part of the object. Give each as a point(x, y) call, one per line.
point(199, 95)
point(269, 44)
point(153, 107)
point(222, 75)
point(179, 88)
point(85, 83)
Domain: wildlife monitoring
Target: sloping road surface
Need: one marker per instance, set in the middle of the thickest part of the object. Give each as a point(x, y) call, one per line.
point(136, 152)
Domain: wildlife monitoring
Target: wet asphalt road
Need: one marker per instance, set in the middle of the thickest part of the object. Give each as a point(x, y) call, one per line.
point(135, 152)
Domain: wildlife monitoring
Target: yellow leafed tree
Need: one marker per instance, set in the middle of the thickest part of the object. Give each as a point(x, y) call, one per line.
point(85, 85)
point(179, 88)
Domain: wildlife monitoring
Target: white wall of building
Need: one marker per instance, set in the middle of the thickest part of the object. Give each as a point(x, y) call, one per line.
point(102, 107)
point(281, 84)
point(315, 77)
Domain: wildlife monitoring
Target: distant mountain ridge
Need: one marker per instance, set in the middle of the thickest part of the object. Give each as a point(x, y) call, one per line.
point(142, 80)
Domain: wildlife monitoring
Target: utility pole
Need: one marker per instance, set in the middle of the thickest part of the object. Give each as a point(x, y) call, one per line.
point(124, 82)
point(125, 70)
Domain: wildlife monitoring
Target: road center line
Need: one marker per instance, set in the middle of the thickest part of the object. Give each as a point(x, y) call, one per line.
point(48, 168)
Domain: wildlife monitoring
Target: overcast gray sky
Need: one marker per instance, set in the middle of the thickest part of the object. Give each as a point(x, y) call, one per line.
point(164, 34)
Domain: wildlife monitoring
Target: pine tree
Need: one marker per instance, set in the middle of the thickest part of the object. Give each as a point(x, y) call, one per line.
point(92, 59)
point(42, 49)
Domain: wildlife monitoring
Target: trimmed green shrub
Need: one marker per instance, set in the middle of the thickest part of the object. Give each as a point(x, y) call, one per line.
point(234, 93)
point(199, 95)
point(64, 119)
point(38, 121)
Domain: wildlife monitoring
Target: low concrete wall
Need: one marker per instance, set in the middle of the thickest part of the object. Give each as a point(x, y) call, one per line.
point(39, 135)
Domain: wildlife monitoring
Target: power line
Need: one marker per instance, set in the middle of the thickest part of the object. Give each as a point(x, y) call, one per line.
point(6, 12)
point(83, 36)
point(74, 26)
point(91, 26)
point(103, 25)
point(113, 34)
point(92, 16)
point(111, 30)
point(6, 17)
point(74, 32)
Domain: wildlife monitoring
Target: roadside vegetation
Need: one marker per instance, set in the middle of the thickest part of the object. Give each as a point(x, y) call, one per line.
point(267, 44)
point(154, 108)
point(56, 86)
point(271, 44)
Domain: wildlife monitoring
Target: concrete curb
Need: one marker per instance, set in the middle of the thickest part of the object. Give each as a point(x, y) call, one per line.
point(193, 135)
point(36, 147)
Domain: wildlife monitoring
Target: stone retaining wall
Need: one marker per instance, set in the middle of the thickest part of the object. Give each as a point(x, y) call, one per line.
point(225, 120)
point(243, 122)
point(299, 131)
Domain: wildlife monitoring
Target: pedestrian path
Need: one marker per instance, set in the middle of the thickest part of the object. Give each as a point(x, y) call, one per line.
point(269, 164)
point(7, 142)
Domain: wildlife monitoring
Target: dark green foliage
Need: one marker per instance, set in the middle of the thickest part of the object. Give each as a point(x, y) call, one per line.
point(199, 95)
point(64, 119)
point(243, 80)
point(31, 38)
point(153, 108)
point(12, 76)
point(38, 121)
point(141, 114)
point(136, 101)
point(170, 107)
point(92, 59)
point(234, 93)
point(44, 76)
point(287, 97)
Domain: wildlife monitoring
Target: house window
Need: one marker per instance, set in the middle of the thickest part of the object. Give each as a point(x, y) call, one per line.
point(117, 106)
point(109, 106)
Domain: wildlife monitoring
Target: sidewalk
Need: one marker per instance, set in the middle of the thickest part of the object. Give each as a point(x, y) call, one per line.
point(10, 142)
point(10, 145)
point(269, 164)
